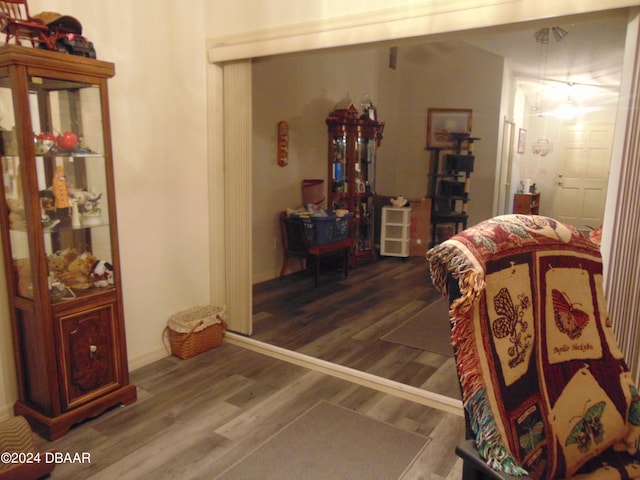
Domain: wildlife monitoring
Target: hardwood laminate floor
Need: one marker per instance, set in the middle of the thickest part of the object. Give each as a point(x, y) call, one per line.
point(196, 418)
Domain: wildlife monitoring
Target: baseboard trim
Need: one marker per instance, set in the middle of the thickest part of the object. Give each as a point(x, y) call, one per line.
point(147, 358)
point(265, 276)
point(397, 389)
point(6, 411)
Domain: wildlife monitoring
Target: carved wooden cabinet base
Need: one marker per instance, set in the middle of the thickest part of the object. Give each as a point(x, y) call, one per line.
point(88, 353)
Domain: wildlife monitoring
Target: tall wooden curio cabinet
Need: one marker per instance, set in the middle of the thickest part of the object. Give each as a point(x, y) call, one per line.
point(59, 238)
point(353, 140)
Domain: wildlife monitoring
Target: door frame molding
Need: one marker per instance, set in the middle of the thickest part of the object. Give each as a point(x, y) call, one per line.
point(618, 237)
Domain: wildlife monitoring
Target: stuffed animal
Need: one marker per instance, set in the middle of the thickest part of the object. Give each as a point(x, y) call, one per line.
point(69, 254)
point(23, 272)
point(57, 264)
point(78, 271)
point(16, 214)
point(102, 274)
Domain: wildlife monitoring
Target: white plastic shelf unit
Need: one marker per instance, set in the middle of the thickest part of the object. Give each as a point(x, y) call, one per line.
point(395, 235)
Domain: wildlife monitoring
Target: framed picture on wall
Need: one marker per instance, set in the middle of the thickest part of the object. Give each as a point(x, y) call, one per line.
point(442, 122)
point(522, 140)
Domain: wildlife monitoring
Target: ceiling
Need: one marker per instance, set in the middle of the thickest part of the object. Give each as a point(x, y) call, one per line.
point(585, 65)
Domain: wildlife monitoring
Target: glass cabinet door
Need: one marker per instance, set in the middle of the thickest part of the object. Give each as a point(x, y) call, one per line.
point(14, 195)
point(340, 170)
point(363, 214)
point(72, 194)
point(365, 168)
point(369, 161)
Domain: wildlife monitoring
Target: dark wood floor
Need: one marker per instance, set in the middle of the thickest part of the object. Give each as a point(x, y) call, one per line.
point(343, 320)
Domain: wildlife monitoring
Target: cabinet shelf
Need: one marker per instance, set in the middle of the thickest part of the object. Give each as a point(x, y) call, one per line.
point(451, 197)
point(73, 154)
point(448, 175)
point(441, 215)
point(59, 229)
point(73, 296)
point(65, 154)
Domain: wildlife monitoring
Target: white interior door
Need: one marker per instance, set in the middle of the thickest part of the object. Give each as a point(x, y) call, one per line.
point(583, 172)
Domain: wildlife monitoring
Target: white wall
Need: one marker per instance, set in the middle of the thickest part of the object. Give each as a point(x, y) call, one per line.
point(158, 121)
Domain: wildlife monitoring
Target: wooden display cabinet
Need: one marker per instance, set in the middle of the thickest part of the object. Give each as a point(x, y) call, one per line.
point(60, 239)
point(353, 141)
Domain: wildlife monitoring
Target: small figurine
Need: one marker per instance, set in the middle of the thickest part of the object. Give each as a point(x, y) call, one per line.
point(60, 192)
point(75, 214)
point(92, 214)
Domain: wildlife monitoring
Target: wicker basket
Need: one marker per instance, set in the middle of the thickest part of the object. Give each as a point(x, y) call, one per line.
point(195, 330)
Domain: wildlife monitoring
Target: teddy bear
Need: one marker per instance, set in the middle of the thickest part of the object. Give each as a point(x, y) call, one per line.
point(16, 214)
point(78, 271)
point(57, 264)
point(58, 261)
point(23, 272)
point(69, 254)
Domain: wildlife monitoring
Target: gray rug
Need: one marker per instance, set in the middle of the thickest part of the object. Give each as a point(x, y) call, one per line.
point(429, 330)
point(329, 442)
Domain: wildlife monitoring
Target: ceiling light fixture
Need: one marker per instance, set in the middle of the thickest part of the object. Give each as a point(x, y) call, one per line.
point(559, 33)
point(567, 111)
point(542, 37)
point(542, 147)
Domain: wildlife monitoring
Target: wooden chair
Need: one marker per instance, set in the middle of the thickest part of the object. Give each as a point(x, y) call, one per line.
point(545, 387)
point(16, 22)
point(296, 245)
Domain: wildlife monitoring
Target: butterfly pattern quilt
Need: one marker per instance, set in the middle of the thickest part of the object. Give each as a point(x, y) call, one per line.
point(544, 383)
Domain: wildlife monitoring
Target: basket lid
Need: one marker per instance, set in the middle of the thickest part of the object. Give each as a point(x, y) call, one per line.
point(185, 320)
